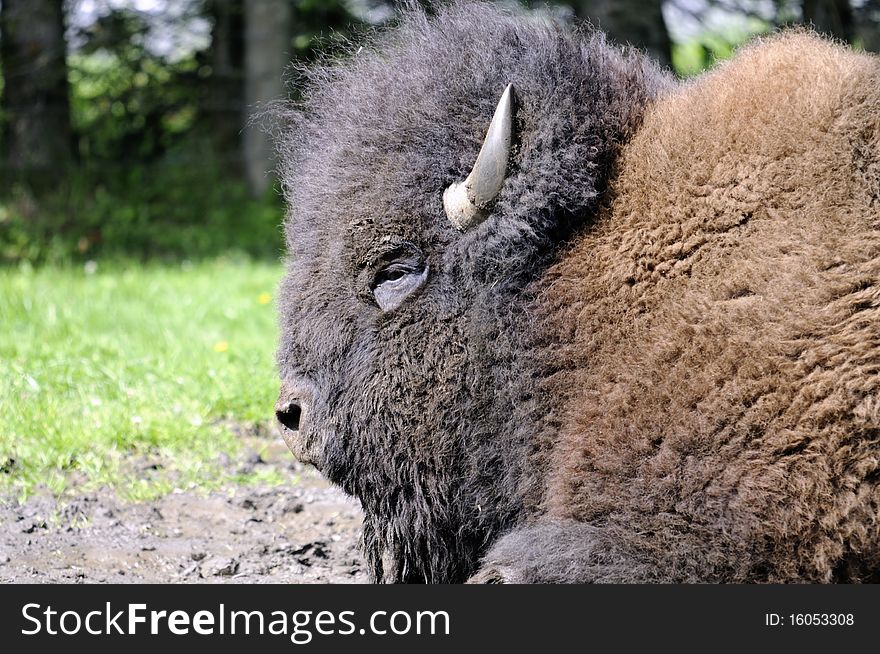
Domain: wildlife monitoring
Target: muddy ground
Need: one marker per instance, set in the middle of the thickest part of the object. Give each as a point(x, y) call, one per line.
point(304, 531)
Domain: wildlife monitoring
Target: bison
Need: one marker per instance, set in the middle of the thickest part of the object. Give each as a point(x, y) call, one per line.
point(608, 328)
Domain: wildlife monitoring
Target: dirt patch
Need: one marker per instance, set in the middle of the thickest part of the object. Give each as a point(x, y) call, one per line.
point(304, 531)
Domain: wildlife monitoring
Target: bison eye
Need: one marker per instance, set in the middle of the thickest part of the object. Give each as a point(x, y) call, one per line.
point(398, 280)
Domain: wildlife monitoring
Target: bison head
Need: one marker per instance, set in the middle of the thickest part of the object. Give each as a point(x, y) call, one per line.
point(406, 311)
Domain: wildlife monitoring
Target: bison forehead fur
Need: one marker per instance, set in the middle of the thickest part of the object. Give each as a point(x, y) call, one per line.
point(657, 357)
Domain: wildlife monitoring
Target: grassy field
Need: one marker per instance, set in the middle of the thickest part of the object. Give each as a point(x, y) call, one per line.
point(132, 375)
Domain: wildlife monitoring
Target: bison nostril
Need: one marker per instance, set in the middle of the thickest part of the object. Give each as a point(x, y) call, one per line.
point(289, 415)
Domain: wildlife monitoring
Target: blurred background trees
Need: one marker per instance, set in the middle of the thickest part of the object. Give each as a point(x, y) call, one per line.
point(126, 125)
point(639, 22)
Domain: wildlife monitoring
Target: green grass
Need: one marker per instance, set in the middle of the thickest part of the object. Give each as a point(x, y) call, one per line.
point(103, 372)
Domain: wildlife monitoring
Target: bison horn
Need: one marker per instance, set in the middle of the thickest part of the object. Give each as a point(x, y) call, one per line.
point(466, 202)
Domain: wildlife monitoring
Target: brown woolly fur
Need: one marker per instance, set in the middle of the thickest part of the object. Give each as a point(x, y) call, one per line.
point(722, 322)
point(658, 359)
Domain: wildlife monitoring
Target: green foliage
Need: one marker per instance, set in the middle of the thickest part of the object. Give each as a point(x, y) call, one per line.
point(176, 210)
point(106, 370)
point(129, 105)
point(130, 111)
point(702, 53)
point(149, 183)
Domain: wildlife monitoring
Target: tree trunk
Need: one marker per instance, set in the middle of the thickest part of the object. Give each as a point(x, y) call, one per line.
point(833, 17)
point(35, 103)
point(635, 22)
point(223, 108)
point(267, 53)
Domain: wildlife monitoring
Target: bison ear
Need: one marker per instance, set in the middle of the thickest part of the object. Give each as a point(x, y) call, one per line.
point(466, 202)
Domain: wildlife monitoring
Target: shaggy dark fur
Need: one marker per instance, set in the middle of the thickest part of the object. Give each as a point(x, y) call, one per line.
point(656, 360)
point(426, 413)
